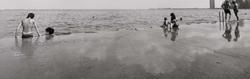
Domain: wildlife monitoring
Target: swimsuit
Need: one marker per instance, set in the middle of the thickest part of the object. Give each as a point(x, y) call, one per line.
point(27, 35)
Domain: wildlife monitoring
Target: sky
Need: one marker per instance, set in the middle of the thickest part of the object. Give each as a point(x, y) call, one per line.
point(103, 4)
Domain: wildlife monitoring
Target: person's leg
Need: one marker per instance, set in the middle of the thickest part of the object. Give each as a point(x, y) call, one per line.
point(236, 14)
point(225, 15)
point(229, 12)
point(229, 17)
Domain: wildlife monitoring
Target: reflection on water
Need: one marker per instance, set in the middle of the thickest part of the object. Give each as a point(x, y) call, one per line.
point(49, 37)
point(200, 53)
point(228, 32)
point(237, 32)
point(27, 45)
point(174, 33)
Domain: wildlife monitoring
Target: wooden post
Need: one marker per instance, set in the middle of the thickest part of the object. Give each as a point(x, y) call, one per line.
point(219, 17)
point(223, 19)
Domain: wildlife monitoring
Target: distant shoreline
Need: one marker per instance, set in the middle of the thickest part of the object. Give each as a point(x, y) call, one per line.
point(113, 9)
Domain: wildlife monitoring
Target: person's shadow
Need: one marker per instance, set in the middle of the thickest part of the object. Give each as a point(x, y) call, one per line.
point(227, 34)
point(237, 32)
point(27, 46)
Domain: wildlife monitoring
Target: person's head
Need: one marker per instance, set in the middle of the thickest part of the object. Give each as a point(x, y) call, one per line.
point(49, 30)
point(165, 18)
point(226, 1)
point(233, 2)
point(172, 14)
point(31, 15)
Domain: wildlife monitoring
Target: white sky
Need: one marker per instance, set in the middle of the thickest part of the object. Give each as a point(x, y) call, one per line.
point(103, 4)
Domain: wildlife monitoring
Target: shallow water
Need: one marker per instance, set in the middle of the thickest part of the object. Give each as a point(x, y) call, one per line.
point(198, 51)
point(79, 21)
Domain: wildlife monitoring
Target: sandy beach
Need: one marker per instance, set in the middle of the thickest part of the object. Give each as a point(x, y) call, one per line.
point(197, 51)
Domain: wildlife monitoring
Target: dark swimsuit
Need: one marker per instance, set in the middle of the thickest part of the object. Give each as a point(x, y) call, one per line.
point(227, 11)
point(27, 36)
point(226, 8)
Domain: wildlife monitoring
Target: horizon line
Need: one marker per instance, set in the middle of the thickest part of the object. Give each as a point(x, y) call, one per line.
point(92, 9)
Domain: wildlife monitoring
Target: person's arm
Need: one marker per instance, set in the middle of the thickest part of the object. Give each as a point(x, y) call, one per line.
point(18, 27)
point(231, 6)
point(237, 6)
point(37, 31)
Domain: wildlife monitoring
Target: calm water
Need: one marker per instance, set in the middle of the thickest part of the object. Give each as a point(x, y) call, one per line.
point(84, 20)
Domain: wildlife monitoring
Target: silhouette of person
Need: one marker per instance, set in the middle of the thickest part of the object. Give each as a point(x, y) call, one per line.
point(237, 32)
point(27, 46)
point(165, 26)
point(235, 8)
point(226, 7)
point(227, 34)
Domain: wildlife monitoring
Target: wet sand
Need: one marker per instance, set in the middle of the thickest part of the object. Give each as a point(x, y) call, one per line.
point(197, 51)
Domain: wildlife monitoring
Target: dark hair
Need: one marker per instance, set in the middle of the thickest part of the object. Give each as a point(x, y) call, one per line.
point(172, 14)
point(31, 15)
point(165, 18)
point(226, 1)
point(49, 30)
point(233, 2)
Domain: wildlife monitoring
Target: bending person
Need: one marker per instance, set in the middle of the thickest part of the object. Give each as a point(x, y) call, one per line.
point(235, 8)
point(27, 25)
point(226, 7)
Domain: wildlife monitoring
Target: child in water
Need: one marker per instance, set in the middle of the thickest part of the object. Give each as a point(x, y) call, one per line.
point(173, 22)
point(165, 25)
point(49, 32)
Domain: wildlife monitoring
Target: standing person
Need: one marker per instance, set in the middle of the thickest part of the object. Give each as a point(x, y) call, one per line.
point(165, 26)
point(27, 25)
point(235, 8)
point(173, 21)
point(173, 18)
point(226, 7)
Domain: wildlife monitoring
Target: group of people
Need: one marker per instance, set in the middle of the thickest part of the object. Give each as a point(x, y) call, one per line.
point(168, 26)
point(171, 26)
point(28, 24)
point(226, 6)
